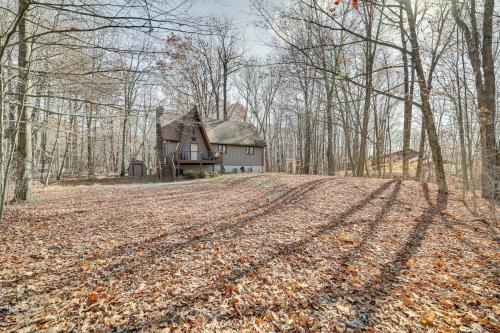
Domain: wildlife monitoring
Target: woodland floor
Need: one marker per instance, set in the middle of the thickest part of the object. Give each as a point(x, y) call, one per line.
point(256, 253)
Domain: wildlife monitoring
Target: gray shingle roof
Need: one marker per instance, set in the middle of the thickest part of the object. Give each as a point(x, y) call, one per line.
point(233, 133)
point(218, 131)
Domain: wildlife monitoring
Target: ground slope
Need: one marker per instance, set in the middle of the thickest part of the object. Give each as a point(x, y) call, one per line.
point(248, 253)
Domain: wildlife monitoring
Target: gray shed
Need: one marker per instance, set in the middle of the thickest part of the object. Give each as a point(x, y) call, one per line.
point(137, 168)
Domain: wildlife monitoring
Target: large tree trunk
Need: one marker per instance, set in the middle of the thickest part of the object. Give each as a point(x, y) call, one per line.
point(217, 102)
point(11, 121)
point(490, 153)
point(483, 66)
point(24, 155)
point(369, 56)
point(421, 151)
point(460, 125)
point(3, 145)
point(426, 106)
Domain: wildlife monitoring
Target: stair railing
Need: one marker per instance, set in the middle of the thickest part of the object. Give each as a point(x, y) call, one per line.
point(172, 164)
point(159, 171)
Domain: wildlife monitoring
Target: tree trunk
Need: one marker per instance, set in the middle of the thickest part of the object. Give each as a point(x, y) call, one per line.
point(224, 91)
point(124, 142)
point(366, 107)
point(307, 138)
point(24, 172)
point(460, 125)
point(421, 151)
point(329, 124)
point(408, 101)
point(53, 152)
point(483, 66)
point(90, 161)
point(426, 106)
point(3, 146)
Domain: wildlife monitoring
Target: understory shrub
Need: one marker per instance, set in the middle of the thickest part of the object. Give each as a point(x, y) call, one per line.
point(190, 175)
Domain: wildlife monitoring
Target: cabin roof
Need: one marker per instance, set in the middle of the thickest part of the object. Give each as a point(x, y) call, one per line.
point(218, 131)
point(233, 133)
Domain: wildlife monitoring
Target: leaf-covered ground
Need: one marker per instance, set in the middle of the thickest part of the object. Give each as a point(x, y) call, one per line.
point(256, 253)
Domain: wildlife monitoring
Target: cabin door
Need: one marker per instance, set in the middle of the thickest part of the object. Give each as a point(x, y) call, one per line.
point(194, 151)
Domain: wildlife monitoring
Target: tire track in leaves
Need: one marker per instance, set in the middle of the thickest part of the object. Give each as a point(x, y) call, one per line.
point(161, 194)
point(206, 233)
point(135, 255)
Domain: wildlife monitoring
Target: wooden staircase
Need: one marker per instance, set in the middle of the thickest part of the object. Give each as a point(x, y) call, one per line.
point(167, 172)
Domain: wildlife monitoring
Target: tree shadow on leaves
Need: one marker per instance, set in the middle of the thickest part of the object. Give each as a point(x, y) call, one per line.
point(392, 271)
point(207, 233)
point(187, 301)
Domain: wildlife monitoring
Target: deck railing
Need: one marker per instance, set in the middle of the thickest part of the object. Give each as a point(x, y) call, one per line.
point(207, 156)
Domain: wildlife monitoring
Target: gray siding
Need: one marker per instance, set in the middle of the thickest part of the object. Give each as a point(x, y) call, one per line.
point(187, 139)
point(185, 144)
point(237, 156)
point(170, 147)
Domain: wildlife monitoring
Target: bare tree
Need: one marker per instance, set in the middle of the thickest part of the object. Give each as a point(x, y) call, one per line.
point(480, 52)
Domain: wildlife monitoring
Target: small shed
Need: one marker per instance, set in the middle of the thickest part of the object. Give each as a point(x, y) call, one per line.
point(137, 168)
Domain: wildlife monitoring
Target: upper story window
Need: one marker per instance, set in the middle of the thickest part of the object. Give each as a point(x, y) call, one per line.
point(250, 151)
point(222, 149)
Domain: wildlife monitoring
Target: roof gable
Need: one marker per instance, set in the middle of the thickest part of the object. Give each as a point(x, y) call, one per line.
point(213, 130)
point(173, 127)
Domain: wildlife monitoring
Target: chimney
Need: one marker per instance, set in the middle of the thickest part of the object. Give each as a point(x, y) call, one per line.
point(159, 139)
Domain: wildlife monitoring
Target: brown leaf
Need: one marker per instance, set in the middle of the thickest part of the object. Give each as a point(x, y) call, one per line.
point(352, 270)
point(232, 287)
point(428, 318)
point(92, 297)
point(345, 239)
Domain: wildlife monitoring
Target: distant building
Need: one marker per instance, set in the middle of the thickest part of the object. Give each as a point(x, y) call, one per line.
point(394, 157)
point(192, 144)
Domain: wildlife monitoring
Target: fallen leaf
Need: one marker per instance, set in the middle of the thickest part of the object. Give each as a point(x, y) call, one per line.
point(92, 297)
point(428, 318)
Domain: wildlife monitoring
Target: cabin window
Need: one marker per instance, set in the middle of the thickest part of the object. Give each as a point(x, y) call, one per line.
point(222, 149)
point(250, 151)
point(194, 151)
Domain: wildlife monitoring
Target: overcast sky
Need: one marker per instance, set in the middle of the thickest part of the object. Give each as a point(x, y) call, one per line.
point(240, 11)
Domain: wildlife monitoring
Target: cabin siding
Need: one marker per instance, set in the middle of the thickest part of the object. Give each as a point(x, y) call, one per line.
point(237, 156)
point(170, 147)
point(179, 134)
point(186, 141)
point(196, 168)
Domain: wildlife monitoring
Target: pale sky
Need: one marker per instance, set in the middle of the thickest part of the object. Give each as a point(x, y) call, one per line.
point(240, 11)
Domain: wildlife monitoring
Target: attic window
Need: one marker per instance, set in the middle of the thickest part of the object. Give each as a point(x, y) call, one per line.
point(250, 151)
point(222, 149)
point(193, 133)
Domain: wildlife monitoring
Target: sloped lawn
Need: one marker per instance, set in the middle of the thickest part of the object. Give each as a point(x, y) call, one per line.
point(255, 253)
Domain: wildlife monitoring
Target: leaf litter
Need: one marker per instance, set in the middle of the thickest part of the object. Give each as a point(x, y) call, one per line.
point(251, 253)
